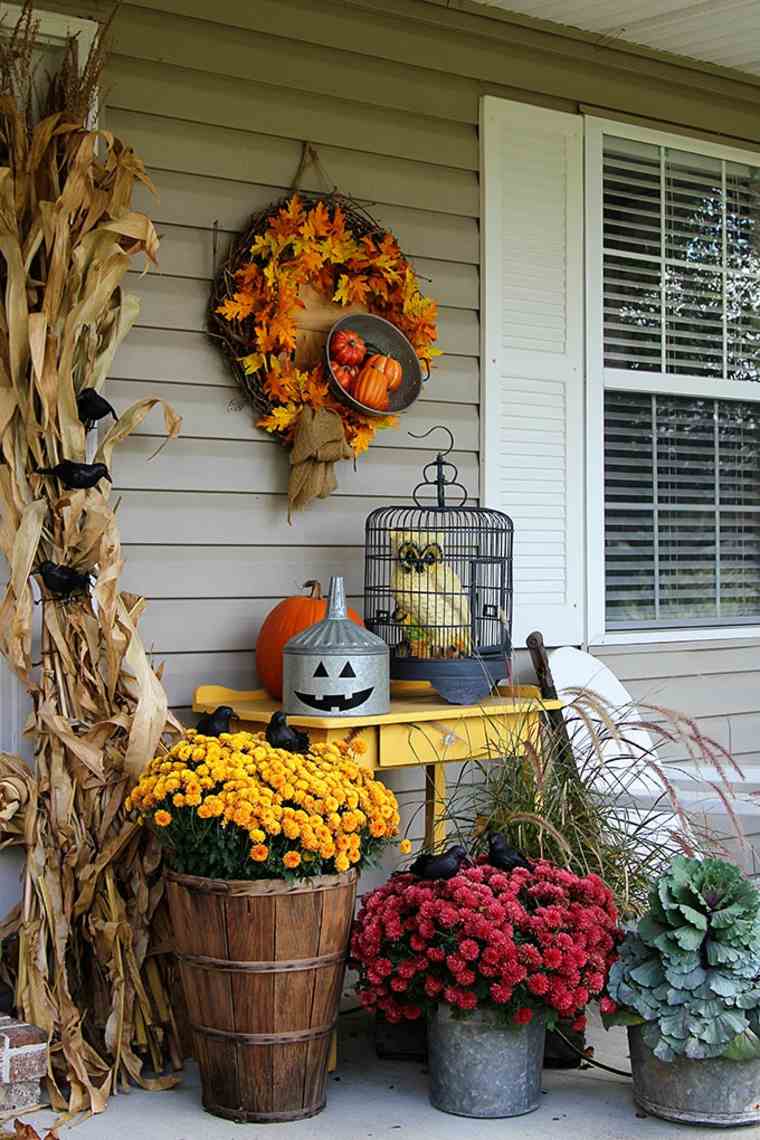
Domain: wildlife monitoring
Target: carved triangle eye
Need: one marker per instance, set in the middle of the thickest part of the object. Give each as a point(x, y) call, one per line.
point(347, 671)
point(320, 671)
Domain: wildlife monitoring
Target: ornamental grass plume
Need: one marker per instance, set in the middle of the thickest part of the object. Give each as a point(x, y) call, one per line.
point(613, 804)
point(518, 943)
point(234, 807)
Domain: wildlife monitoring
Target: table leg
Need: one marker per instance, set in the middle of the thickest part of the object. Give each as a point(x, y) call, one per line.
point(435, 805)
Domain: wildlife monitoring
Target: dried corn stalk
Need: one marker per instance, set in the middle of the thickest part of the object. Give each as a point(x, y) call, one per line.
point(92, 896)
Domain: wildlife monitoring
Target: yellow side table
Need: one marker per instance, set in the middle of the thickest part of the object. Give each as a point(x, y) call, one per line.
point(420, 730)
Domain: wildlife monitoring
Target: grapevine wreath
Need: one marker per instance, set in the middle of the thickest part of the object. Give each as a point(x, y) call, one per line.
point(302, 263)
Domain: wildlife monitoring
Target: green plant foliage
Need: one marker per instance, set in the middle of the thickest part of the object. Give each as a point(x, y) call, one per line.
point(691, 969)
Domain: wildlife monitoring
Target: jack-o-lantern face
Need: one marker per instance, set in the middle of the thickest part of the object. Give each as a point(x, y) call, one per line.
point(326, 699)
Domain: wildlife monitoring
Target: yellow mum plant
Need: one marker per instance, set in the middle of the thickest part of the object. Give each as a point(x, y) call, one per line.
point(234, 807)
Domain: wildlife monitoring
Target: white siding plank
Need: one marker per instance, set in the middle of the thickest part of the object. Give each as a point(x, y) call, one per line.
point(218, 413)
point(183, 202)
point(222, 102)
point(701, 696)
point(155, 37)
point(229, 156)
point(184, 672)
point(217, 625)
point(232, 571)
point(169, 356)
point(699, 660)
point(182, 518)
point(235, 466)
point(188, 251)
point(191, 258)
point(180, 303)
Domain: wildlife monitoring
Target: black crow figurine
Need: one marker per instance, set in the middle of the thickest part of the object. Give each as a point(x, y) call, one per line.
point(506, 858)
point(280, 735)
point(77, 476)
point(213, 724)
point(92, 407)
point(443, 866)
point(63, 581)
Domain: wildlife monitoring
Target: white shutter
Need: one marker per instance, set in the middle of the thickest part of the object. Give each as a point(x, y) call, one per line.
point(533, 384)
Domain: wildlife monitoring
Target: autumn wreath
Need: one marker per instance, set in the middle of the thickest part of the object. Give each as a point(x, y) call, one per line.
point(301, 264)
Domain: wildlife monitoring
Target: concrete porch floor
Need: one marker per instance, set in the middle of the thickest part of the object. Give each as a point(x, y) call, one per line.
point(380, 1100)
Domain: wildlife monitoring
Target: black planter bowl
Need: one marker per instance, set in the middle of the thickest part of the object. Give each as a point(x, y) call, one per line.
point(460, 680)
point(383, 337)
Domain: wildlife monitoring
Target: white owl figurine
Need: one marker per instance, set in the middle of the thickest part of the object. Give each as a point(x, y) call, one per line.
point(430, 598)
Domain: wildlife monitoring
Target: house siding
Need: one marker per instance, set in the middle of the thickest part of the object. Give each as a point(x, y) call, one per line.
point(219, 115)
point(218, 100)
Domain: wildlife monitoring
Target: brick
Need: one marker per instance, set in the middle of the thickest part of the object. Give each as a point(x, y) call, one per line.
point(16, 1034)
point(23, 1063)
point(24, 1094)
point(28, 1066)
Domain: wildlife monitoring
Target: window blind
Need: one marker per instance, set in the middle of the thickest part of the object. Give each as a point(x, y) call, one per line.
point(682, 511)
point(681, 270)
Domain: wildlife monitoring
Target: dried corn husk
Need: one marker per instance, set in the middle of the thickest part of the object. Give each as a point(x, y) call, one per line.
point(89, 969)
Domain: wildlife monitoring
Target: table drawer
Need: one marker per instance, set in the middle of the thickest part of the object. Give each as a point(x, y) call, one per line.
point(437, 742)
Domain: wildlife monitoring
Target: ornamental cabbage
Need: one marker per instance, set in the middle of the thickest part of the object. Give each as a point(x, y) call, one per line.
point(690, 972)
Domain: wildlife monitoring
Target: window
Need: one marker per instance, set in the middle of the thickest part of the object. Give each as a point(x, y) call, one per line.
point(682, 510)
point(673, 238)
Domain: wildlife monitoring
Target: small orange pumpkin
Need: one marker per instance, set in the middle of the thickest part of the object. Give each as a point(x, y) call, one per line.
point(347, 347)
point(390, 368)
point(371, 389)
point(379, 376)
point(287, 619)
point(345, 374)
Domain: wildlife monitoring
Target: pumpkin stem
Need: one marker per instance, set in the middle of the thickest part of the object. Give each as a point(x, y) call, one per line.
point(315, 587)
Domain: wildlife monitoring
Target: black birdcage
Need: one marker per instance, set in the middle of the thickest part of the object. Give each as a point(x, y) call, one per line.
point(438, 587)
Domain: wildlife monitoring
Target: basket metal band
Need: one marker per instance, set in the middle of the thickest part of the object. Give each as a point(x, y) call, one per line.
point(242, 1116)
point(228, 966)
point(290, 1038)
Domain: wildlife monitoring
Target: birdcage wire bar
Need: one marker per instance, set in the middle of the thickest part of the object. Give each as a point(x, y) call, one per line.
point(438, 577)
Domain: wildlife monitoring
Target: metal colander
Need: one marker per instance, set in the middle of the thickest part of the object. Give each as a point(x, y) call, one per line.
point(383, 337)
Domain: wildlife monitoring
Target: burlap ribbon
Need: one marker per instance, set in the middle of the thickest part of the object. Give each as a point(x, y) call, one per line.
point(318, 444)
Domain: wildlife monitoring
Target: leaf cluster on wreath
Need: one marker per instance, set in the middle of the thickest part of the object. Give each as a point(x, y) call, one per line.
point(331, 244)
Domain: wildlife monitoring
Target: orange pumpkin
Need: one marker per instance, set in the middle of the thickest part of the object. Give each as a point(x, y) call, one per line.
point(347, 347)
point(345, 374)
point(390, 368)
point(371, 389)
point(379, 376)
point(287, 619)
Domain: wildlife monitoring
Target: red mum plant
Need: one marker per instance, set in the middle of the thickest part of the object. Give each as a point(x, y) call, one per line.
point(522, 942)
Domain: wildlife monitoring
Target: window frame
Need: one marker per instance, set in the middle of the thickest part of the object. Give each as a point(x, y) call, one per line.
point(55, 26)
point(597, 382)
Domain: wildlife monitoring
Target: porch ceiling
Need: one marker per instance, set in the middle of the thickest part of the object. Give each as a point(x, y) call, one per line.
point(722, 32)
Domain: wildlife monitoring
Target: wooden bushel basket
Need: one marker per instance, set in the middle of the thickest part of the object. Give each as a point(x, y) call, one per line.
point(262, 969)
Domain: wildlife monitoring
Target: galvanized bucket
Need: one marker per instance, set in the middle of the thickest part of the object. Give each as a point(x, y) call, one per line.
point(715, 1092)
point(481, 1068)
point(335, 667)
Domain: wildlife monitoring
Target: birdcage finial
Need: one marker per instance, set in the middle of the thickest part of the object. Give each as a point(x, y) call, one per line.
point(439, 465)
